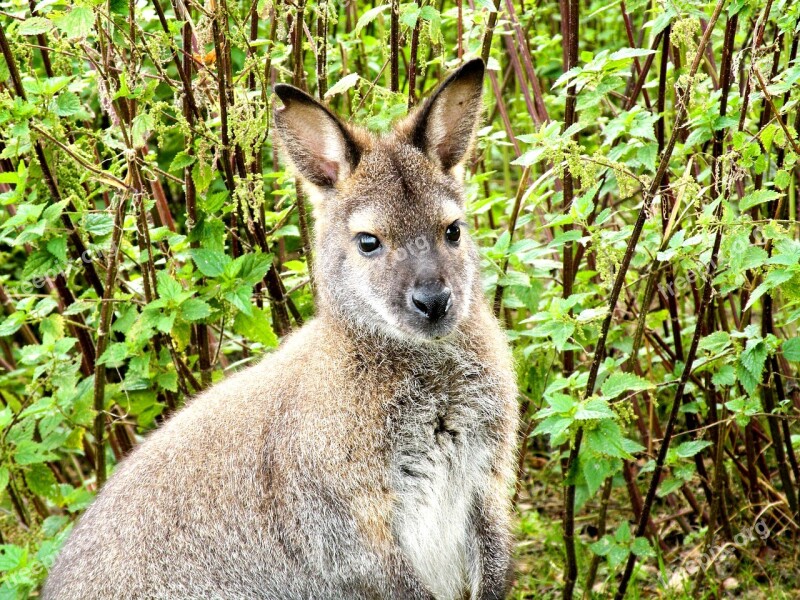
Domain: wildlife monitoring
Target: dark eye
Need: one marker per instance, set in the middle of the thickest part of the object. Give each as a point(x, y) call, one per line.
point(368, 243)
point(453, 233)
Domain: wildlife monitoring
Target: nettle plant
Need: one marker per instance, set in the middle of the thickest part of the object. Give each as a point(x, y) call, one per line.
point(633, 189)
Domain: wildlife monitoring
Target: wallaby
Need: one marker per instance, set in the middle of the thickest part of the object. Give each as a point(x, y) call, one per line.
point(372, 455)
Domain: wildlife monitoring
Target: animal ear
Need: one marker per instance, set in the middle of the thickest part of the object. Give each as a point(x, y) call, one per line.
point(444, 126)
point(313, 139)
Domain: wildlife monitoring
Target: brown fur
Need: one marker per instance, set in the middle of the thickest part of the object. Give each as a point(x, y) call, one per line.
point(371, 456)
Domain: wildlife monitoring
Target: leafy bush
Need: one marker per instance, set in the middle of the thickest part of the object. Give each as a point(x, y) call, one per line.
point(634, 191)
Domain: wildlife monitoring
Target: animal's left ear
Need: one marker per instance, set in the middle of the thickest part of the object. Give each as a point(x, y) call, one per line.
point(444, 126)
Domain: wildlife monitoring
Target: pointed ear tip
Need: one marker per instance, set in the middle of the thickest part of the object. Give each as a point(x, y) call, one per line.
point(287, 93)
point(473, 68)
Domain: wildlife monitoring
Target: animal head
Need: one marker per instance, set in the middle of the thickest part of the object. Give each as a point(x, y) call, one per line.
point(392, 251)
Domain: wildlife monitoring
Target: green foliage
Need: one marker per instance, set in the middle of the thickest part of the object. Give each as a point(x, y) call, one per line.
point(212, 265)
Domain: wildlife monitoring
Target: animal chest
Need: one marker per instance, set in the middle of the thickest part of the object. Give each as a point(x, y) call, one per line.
point(442, 460)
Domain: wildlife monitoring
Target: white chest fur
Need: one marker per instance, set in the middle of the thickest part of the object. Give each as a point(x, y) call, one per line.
point(442, 463)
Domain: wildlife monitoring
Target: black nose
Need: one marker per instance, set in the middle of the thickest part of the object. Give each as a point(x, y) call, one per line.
point(432, 299)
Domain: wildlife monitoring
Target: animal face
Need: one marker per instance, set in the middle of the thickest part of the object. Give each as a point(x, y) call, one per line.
point(393, 251)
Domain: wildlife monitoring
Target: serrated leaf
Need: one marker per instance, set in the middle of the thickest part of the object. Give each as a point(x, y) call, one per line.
point(98, 223)
point(595, 408)
point(114, 356)
point(240, 298)
point(182, 160)
point(726, 376)
point(602, 546)
point(689, 449)
point(257, 327)
point(605, 439)
point(624, 383)
point(754, 357)
point(556, 427)
point(716, 343)
point(669, 486)
point(11, 557)
point(67, 104)
point(595, 471)
point(631, 53)
point(35, 26)
point(623, 532)
point(41, 481)
point(368, 17)
point(77, 23)
point(29, 452)
point(641, 547)
point(251, 268)
point(195, 309)
point(344, 84)
point(167, 287)
point(756, 198)
point(211, 263)
point(791, 349)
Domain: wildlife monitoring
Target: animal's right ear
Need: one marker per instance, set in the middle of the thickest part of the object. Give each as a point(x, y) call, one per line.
point(313, 139)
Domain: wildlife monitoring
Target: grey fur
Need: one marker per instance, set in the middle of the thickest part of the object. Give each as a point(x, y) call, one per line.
point(371, 456)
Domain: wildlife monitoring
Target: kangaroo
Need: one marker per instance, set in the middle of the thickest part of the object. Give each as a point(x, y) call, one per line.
point(372, 455)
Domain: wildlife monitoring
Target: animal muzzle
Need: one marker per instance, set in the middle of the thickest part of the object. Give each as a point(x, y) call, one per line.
point(432, 300)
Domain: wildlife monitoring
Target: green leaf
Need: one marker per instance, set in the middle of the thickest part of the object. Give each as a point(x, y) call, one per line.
point(606, 440)
point(141, 127)
point(195, 309)
point(12, 557)
point(211, 263)
point(602, 546)
point(344, 84)
point(257, 327)
point(35, 26)
point(558, 331)
point(41, 481)
point(368, 17)
point(620, 382)
point(560, 403)
point(58, 248)
point(773, 279)
point(251, 268)
point(623, 532)
point(67, 104)
point(4, 478)
point(98, 223)
point(77, 23)
point(716, 343)
point(240, 298)
point(754, 357)
point(726, 376)
point(12, 324)
point(114, 356)
point(595, 471)
point(182, 160)
point(756, 198)
point(29, 452)
point(168, 381)
point(641, 547)
point(556, 427)
point(167, 287)
point(595, 408)
point(631, 53)
point(689, 449)
point(791, 349)
point(748, 381)
point(669, 486)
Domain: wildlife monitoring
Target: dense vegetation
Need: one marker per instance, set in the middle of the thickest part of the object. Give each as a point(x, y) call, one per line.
point(634, 190)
